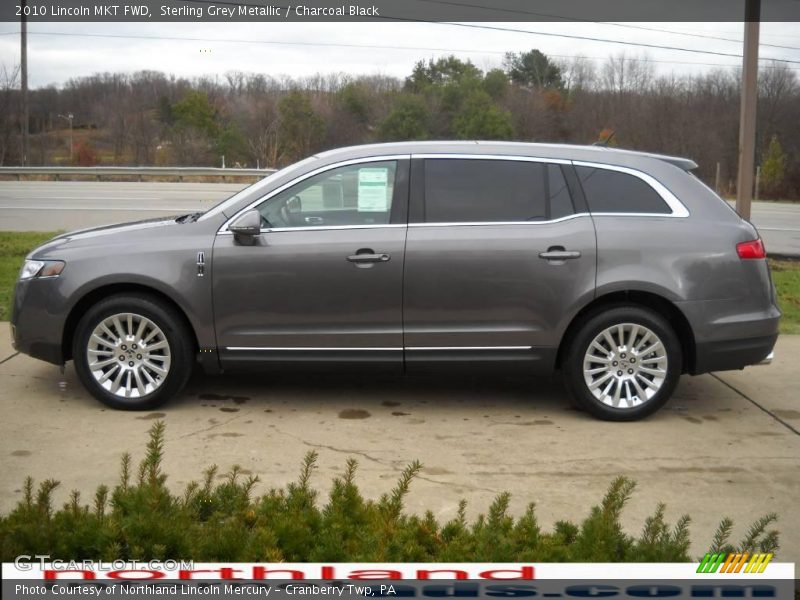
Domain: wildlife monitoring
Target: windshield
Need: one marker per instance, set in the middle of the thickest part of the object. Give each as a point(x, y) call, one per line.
point(258, 185)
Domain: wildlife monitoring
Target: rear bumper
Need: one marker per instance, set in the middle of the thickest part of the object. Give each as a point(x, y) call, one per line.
point(767, 360)
point(731, 334)
point(728, 355)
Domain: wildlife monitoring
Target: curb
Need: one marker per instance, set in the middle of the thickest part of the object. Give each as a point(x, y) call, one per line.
point(783, 256)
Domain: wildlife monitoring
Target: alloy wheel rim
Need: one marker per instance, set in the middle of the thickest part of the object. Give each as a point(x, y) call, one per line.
point(128, 355)
point(625, 365)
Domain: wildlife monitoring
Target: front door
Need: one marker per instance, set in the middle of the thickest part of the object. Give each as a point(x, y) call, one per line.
point(323, 281)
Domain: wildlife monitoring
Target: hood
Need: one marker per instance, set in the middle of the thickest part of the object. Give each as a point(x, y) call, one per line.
point(105, 234)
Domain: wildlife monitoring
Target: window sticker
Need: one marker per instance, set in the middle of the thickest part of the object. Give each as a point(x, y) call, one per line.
point(373, 190)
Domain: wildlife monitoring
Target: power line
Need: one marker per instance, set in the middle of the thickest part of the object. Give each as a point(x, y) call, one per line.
point(512, 30)
point(524, 31)
point(772, 35)
point(606, 40)
point(363, 46)
point(575, 19)
point(697, 35)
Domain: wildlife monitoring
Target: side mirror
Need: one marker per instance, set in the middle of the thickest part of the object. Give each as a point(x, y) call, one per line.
point(247, 226)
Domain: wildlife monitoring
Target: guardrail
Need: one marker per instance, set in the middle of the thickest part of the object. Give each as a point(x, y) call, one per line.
point(137, 173)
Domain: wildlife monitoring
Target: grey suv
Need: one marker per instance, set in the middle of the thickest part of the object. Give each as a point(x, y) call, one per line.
point(619, 268)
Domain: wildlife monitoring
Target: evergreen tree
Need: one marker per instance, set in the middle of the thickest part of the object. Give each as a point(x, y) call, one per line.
point(440, 72)
point(408, 120)
point(196, 112)
point(495, 83)
point(301, 129)
point(480, 119)
point(773, 167)
point(533, 69)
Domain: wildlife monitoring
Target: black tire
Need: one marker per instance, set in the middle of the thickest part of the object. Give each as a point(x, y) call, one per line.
point(592, 327)
point(167, 319)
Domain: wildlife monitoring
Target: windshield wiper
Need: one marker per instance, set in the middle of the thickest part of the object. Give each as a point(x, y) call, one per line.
point(190, 218)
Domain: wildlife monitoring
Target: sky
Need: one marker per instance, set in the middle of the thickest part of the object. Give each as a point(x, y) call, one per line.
point(296, 49)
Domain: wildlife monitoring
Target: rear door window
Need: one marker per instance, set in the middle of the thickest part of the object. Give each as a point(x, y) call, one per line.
point(609, 191)
point(486, 190)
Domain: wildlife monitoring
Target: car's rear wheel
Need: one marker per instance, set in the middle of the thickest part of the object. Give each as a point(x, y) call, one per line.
point(624, 363)
point(132, 352)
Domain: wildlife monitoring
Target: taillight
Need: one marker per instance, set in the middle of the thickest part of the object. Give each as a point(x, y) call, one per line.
point(751, 249)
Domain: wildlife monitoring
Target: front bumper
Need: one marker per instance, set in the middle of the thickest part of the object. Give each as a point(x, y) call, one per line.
point(37, 320)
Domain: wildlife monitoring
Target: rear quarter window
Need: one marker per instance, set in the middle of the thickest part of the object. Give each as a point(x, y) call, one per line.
point(609, 191)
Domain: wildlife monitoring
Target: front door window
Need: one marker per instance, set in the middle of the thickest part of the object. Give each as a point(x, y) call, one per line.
point(359, 194)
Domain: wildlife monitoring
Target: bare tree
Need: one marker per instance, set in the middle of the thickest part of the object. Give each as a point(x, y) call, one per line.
point(130, 116)
point(9, 114)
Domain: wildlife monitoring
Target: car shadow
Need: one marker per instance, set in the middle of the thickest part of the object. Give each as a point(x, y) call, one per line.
point(349, 391)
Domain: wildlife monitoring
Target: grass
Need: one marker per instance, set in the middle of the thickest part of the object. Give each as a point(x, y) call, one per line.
point(786, 275)
point(15, 245)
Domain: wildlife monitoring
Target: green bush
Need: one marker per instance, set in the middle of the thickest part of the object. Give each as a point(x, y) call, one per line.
point(221, 520)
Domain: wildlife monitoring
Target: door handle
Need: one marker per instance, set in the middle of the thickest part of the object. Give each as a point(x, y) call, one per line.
point(366, 256)
point(559, 253)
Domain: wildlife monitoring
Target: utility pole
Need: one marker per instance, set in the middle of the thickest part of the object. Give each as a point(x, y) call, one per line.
point(747, 120)
point(24, 68)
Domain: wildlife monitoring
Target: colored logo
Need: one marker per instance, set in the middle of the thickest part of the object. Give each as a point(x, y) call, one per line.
point(740, 562)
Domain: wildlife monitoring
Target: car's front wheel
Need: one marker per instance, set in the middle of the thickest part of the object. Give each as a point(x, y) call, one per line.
point(624, 363)
point(132, 352)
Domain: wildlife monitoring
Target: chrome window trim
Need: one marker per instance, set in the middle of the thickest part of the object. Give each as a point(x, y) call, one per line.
point(299, 179)
point(489, 223)
point(678, 209)
point(325, 228)
point(641, 215)
point(676, 206)
point(511, 157)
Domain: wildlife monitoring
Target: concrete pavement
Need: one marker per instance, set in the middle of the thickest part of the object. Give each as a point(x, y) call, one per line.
point(66, 205)
point(726, 444)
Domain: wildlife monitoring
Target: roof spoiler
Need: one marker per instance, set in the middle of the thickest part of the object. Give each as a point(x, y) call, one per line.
point(687, 164)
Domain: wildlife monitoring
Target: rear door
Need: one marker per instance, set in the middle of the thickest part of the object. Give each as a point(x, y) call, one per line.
point(498, 259)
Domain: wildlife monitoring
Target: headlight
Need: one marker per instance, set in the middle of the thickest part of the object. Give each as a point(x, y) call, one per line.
point(41, 268)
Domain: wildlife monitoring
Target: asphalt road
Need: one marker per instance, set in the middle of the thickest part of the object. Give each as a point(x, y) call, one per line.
point(67, 205)
point(726, 444)
point(50, 206)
